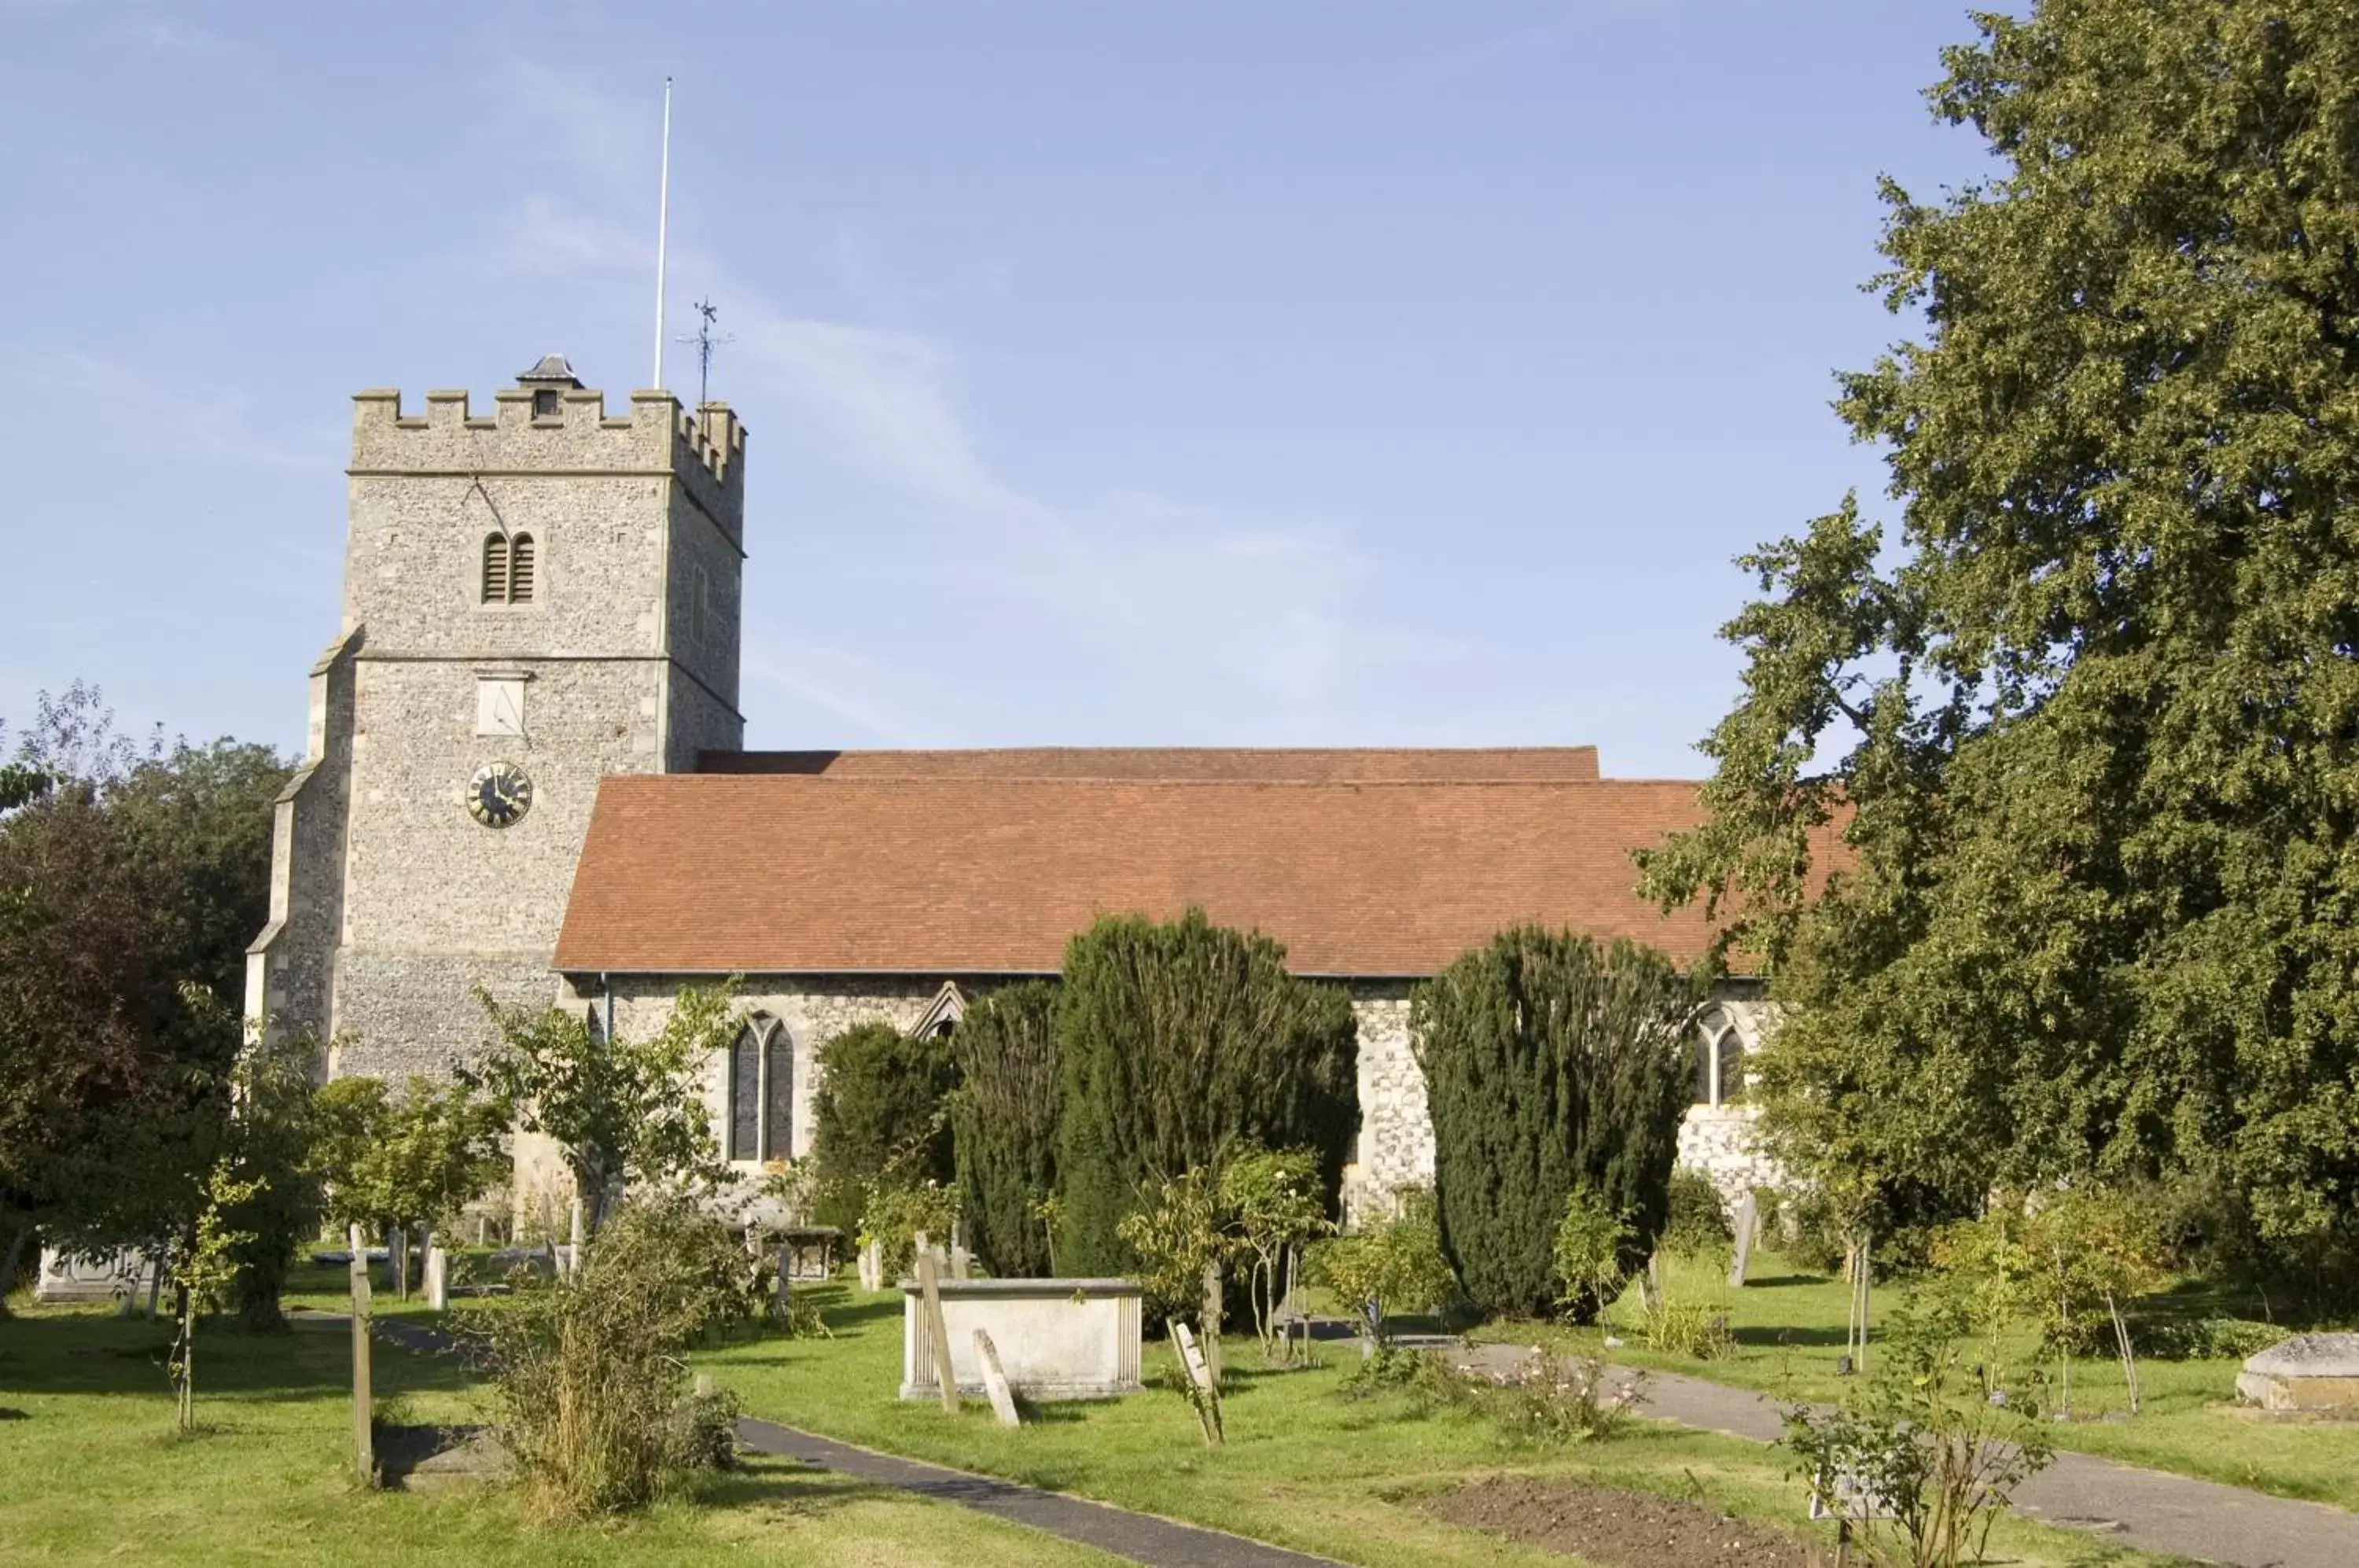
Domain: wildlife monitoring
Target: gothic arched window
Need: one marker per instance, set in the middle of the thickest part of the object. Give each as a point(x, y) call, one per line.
point(744, 1095)
point(778, 1095)
point(1719, 1061)
point(761, 1110)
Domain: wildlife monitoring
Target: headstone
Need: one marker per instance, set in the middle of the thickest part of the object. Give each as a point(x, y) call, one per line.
point(573, 1235)
point(2309, 1372)
point(363, 1401)
point(438, 1279)
point(1213, 1313)
point(1748, 1228)
point(994, 1381)
point(958, 1261)
point(783, 1292)
point(1205, 1389)
point(114, 1277)
point(937, 1333)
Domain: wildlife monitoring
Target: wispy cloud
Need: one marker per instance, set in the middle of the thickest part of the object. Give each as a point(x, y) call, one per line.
point(1272, 605)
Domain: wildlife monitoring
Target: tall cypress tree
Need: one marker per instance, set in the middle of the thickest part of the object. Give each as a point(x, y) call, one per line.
point(1180, 1042)
point(1549, 1063)
point(878, 1112)
point(1003, 1125)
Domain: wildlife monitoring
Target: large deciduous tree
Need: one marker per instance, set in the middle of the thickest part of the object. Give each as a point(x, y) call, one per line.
point(1551, 1063)
point(1181, 1043)
point(2090, 727)
point(131, 879)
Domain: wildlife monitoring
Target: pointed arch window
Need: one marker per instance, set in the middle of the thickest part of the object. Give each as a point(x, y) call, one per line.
point(510, 569)
point(761, 1110)
point(1719, 1061)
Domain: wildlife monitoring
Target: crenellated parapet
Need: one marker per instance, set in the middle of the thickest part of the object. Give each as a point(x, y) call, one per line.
point(550, 431)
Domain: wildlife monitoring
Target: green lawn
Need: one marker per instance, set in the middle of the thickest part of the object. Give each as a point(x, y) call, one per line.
point(90, 1471)
point(1788, 1330)
point(1302, 1467)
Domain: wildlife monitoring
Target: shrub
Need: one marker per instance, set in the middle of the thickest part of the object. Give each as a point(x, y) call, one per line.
point(701, 1433)
point(1176, 1235)
point(1002, 1120)
point(1922, 1437)
point(590, 1387)
point(893, 1216)
point(1392, 1266)
point(1592, 1241)
point(1549, 1061)
point(1685, 1328)
point(1178, 1044)
point(1270, 1205)
point(878, 1115)
point(1564, 1399)
point(1697, 1223)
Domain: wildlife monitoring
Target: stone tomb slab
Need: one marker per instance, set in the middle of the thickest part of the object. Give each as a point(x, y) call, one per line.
point(2309, 1372)
point(1057, 1339)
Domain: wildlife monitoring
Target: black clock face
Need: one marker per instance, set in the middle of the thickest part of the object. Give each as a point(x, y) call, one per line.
point(498, 794)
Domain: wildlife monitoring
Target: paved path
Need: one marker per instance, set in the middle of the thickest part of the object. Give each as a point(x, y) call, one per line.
point(1141, 1538)
point(2145, 1508)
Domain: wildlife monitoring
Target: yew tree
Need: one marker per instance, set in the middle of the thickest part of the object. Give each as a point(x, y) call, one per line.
point(2087, 726)
point(1551, 1064)
point(1003, 1118)
point(1181, 1043)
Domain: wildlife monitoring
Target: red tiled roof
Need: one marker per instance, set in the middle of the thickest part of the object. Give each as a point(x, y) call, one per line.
point(1309, 764)
point(715, 874)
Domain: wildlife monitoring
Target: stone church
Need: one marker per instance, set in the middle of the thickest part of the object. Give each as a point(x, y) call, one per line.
point(525, 773)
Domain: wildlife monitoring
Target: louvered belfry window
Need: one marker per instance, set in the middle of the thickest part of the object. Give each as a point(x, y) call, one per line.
point(508, 569)
point(495, 570)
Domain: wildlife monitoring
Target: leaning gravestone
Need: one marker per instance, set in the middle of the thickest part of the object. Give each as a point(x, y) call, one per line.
point(1748, 1229)
point(2309, 1372)
point(995, 1380)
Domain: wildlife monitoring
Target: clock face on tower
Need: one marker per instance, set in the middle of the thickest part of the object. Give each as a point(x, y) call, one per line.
point(498, 794)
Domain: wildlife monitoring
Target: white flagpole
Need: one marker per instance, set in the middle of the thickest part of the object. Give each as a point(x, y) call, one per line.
point(663, 214)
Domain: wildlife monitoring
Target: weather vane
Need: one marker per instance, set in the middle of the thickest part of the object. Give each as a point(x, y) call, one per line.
point(705, 344)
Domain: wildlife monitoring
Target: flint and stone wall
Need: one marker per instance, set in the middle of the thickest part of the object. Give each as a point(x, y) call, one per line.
point(1395, 1148)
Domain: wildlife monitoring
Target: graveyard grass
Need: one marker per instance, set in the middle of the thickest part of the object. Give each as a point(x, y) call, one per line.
point(1302, 1467)
point(89, 1470)
point(1788, 1329)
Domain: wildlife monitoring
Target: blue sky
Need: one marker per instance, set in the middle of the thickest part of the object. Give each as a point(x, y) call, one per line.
point(1256, 373)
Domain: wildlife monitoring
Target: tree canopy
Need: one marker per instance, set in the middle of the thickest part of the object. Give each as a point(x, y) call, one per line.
point(2088, 726)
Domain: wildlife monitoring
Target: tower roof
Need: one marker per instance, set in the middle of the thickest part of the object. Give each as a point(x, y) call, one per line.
point(552, 371)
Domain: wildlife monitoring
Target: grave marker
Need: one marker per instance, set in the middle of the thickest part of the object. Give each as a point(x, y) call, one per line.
point(1748, 1229)
point(1204, 1393)
point(364, 1402)
point(995, 1380)
point(937, 1333)
point(438, 1279)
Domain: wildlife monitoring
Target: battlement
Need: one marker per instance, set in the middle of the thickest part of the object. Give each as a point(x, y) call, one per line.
point(553, 429)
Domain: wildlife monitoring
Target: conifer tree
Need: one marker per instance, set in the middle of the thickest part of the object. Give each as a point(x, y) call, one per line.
point(1003, 1125)
point(1181, 1042)
point(1549, 1064)
point(879, 1114)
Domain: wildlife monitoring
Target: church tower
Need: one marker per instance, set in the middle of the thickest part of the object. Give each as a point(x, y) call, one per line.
point(532, 601)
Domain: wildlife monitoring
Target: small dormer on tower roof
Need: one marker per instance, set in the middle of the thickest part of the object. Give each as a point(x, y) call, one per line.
point(552, 372)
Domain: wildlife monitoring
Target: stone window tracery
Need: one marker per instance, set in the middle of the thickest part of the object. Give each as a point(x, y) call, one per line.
point(1719, 1061)
point(761, 1097)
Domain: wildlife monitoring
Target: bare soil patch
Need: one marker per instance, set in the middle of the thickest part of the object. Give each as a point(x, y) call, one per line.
point(1622, 1530)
